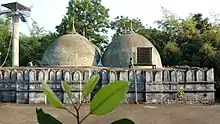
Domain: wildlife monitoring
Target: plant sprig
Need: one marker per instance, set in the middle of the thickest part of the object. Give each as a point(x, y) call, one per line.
point(105, 100)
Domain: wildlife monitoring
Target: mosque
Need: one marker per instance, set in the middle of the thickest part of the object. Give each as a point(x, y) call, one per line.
point(75, 50)
point(138, 61)
point(131, 57)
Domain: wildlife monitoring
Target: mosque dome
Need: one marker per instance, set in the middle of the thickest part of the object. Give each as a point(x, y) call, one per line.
point(121, 49)
point(71, 50)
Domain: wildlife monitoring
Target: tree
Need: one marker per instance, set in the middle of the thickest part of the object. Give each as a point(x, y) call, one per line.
point(32, 47)
point(170, 24)
point(5, 42)
point(122, 24)
point(171, 54)
point(158, 38)
point(90, 19)
point(201, 24)
point(36, 29)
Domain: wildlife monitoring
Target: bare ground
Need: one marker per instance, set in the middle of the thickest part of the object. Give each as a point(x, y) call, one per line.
point(141, 114)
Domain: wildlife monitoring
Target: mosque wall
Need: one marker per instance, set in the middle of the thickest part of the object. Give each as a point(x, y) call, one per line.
point(24, 85)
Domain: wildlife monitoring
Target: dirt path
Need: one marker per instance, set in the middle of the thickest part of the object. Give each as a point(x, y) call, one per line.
point(141, 114)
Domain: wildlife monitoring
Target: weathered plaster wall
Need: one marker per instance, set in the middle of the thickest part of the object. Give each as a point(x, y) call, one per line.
point(24, 85)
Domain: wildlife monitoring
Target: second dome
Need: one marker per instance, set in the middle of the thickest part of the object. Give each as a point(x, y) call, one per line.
point(131, 45)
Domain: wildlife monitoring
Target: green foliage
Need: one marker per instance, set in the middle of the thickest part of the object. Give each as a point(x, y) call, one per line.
point(201, 24)
point(5, 37)
point(51, 96)
point(90, 18)
point(122, 24)
point(207, 48)
point(180, 93)
point(158, 37)
point(109, 97)
point(44, 118)
point(32, 47)
point(90, 85)
point(36, 30)
point(67, 88)
point(172, 53)
point(192, 41)
point(123, 121)
point(105, 101)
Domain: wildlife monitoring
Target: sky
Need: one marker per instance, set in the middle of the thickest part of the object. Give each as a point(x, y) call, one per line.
point(48, 13)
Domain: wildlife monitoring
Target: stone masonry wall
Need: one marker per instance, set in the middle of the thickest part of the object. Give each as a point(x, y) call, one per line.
point(24, 85)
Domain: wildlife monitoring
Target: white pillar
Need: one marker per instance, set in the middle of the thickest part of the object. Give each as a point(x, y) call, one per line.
point(15, 41)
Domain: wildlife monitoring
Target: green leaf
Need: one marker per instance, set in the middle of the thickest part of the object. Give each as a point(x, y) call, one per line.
point(90, 84)
point(52, 97)
point(67, 88)
point(123, 121)
point(109, 97)
point(45, 118)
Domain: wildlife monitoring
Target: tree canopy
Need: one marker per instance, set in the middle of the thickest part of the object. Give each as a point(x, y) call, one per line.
point(122, 24)
point(5, 38)
point(91, 19)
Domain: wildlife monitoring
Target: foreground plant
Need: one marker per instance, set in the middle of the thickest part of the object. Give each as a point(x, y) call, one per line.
point(105, 100)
